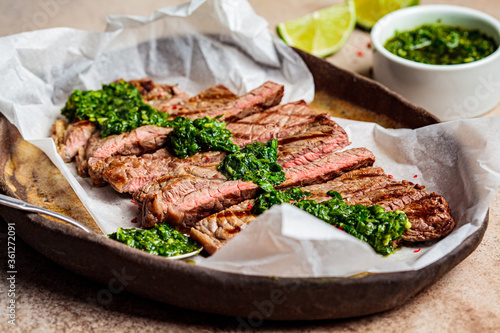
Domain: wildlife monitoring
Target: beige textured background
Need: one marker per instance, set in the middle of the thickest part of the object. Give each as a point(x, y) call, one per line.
point(52, 299)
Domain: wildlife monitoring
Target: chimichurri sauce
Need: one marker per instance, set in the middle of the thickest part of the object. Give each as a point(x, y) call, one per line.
point(371, 224)
point(116, 108)
point(256, 163)
point(162, 240)
point(438, 44)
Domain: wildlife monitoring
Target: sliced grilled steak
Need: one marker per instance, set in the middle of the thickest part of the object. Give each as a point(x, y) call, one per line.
point(430, 219)
point(311, 141)
point(217, 229)
point(215, 97)
point(139, 141)
point(81, 158)
point(69, 140)
point(317, 137)
point(129, 173)
point(273, 123)
point(159, 95)
point(261, 98)
point(429, 214)
point(193, 206)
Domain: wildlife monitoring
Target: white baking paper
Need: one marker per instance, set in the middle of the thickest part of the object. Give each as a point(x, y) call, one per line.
point(204, 43)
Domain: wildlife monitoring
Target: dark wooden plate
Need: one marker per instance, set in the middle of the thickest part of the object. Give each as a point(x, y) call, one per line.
point(26, 173)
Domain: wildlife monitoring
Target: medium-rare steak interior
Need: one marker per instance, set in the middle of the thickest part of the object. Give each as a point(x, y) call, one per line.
point(195, 196)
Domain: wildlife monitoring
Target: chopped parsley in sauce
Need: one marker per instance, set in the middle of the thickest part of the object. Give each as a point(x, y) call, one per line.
point(371, 224)
point(256, 163)
point(438, 44)
point(162, 240)
point(116, 108)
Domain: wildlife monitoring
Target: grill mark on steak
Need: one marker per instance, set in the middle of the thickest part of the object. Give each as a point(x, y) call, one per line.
point(273, 123)
point(311, 141)
point(217, 229)
point(393, 196)
point(263, 97)
point(212, 98)
point(70, 139)
point(429, 214)
point(141, 140)
point(201, 203)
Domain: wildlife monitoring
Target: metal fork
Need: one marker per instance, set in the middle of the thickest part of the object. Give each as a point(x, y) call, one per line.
point(21, 205)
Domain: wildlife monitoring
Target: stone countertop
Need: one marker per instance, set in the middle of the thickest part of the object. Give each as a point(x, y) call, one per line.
point(52, 299)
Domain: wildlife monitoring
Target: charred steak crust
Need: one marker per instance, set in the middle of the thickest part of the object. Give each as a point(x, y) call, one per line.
point(215, 97)
point(273, 123)
point(262, 97)
point(429, 214)
point(159, 95)
point(217, 229)
point(70, 139)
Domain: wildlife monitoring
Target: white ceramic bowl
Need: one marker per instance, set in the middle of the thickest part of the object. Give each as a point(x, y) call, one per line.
point(448, 91)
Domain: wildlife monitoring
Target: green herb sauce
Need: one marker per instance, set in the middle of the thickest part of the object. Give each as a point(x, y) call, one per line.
point(191, 137)
point(119, 107)
point(162, 240)
point(256, 163)
point(371, 224)
point(438, 44)
point(116, 108)
point(268, 199)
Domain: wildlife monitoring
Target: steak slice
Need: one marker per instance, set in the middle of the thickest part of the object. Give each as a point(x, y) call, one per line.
point(430, 219)
point(144, 139)
point(311, 141)
point(141, 140)
point(261, 98)
point(273, 123)
point(215, 97)
point(193, 165)
point(217, 229)
point(129, 174)
point(429, 214)
point(193, 206)
point(70, 139)
point(317, 136)
point(159, 95)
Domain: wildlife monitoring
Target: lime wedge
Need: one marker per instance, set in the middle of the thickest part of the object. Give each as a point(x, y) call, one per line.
point(370, 11)
point(320, 33)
